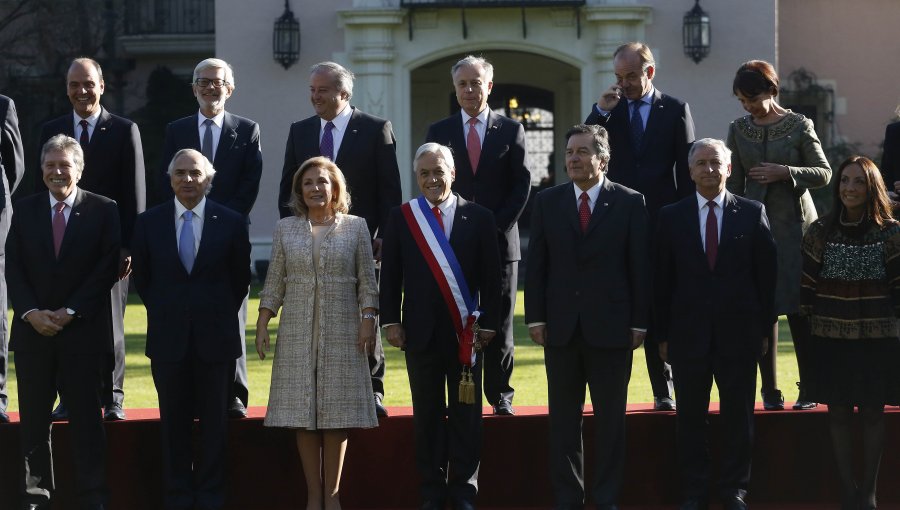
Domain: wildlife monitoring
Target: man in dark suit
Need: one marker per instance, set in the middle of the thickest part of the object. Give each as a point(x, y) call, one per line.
point(11, 169)
point(649, 136)
point(714, 295)
point(63, 255)
point(489, 154)
point(114, 168)
point(587, 301)
point(434, 330)
point(190, 269)
point(363, 147)
point(232, 144)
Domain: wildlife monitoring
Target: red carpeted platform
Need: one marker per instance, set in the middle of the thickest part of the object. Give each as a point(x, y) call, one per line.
point(793, 467)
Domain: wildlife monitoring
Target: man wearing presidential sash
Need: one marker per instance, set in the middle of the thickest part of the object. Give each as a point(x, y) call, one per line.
point(440, 258)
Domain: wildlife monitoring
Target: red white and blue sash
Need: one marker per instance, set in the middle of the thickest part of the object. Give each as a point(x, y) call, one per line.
point(439, 256)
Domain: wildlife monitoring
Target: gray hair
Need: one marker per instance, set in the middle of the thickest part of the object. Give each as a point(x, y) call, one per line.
point(208, 169)
point(599, 137)
point(215, 63)
point(343, 78)
point(441, 151)
point(714, 143)
point(641, 50)
point(68, 144)
point(473, 61)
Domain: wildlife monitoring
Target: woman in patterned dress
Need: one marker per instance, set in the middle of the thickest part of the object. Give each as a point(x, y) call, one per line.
point(322, 276)
point(851, 294)
point(776, 158)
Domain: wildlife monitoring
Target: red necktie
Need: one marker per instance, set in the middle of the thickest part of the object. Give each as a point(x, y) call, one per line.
point(473, 144)
point(712, 234)
point(437, 214)
point(84, 140)
point(584, 211)
point(59, 226)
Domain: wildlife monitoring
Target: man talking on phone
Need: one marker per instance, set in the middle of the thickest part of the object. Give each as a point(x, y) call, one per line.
point(649, 137)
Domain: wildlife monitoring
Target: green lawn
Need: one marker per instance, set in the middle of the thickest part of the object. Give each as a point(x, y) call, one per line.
point(529, 378)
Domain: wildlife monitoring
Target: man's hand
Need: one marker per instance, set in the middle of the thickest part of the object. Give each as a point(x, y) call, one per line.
point(609, 99)
point(396, 336)
point(765, 346)
point(485, 337)
point(62, 318)
point(376, 249)
point(664, 351)
point(124, 264)
point(538, 334)
point(637, 338)
point(43, 321)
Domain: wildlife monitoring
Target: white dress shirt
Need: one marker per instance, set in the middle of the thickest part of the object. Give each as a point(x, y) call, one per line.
point(196, 222)
point(70, 203)
point(340, 122)
point(480, 126)
point(645, 110)
point(216, 129)
point(593, 193)
point(704, 213)
point(92, 123)
point(448, 209)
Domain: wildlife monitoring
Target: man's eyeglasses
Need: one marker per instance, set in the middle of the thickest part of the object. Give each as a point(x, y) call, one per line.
point(204, 82)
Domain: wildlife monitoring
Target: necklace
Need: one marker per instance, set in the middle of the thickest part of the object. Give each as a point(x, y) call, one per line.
point(326, 221)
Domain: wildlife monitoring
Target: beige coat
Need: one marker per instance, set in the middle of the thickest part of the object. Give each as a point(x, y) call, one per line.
point(792, 141)
point(330, 295)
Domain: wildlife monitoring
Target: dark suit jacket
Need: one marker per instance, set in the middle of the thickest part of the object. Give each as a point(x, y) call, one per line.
point(664, 146)
point(367, 157)
point(238, 160)
point(890, 161)
point(11, 161)
point(80, 278)
point(726, 311)
point(196, 312)
point(113, 164)
point(405, 275)
point(599, 279)
point(502, 182)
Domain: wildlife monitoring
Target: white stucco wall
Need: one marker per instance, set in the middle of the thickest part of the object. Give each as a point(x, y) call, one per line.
point(275, 97)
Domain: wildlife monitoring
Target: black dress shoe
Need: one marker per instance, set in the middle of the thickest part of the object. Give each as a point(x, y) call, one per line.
point(803, 402)
point(380, 410)
point(734, 503)
point(4, 418)
point(773, 400)
point(236, 409)
point(60, 413)
point(663, 404)
point(114, 412)
point(504, 408)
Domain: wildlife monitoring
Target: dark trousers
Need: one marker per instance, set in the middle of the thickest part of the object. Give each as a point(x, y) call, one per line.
point(448, 451)
point(736, 380)
point(376, 357)
point(499, 354)
point(240, 387)
point(658, 371)
point(80, 375)
point(606, 372)
point(186, 388)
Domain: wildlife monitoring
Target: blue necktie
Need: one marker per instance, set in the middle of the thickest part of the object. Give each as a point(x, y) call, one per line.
point(206, 147)
point(637, 124)
point(326, 148)
point(186, 241)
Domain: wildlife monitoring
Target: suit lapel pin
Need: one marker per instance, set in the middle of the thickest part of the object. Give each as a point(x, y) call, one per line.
point(215, 217)
point(354, 131)
point(605, 204)
point(77, 213)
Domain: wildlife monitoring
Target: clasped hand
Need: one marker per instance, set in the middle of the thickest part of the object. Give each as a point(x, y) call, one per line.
point(49, 322)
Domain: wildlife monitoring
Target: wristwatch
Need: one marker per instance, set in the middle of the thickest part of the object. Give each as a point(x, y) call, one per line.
point(369, 315)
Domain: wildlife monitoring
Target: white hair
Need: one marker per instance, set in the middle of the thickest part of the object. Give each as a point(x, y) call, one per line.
point(441, 151)
point(473, 61)
point(714, 143)
point(343, 78)
point(215, 63)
